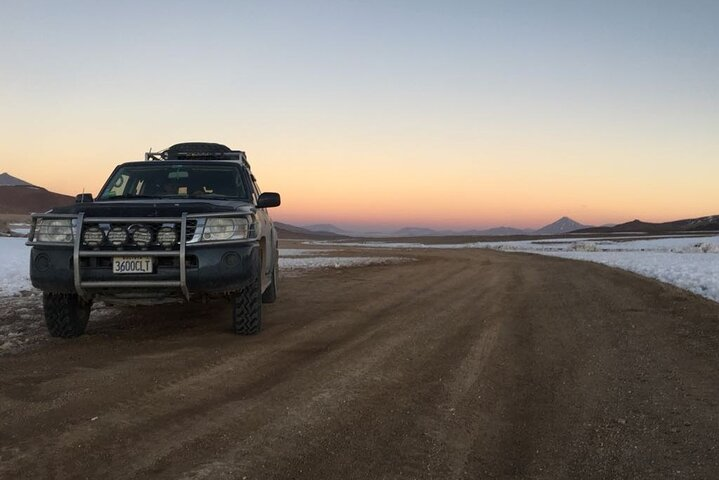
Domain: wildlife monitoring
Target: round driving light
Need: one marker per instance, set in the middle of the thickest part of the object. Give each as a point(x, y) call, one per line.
point(117, 236)
point(231, 259)
point(166, 236)
point(93, 236)
point(142, 236)
point(42, 262)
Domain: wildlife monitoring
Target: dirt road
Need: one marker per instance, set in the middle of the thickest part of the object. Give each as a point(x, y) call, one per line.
point(462, 364)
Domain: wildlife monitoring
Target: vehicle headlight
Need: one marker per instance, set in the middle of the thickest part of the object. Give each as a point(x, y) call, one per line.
point(54, 230)
point(222, 228)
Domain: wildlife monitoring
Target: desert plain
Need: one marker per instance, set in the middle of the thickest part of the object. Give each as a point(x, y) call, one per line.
point(438, 363)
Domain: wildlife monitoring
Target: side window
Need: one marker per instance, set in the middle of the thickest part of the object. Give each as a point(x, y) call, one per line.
point(255, 187)
point(138, 187)
point(250, 184)
point(118, 188)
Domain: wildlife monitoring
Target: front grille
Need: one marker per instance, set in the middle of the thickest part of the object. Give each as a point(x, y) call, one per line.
point(190, 229)
point(116, 232)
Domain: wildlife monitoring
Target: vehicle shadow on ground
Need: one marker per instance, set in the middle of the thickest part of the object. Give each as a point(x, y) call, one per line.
point(160, 320)
point(22, 323)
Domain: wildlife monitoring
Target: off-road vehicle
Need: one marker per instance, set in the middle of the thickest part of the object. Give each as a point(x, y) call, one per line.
point(188, 223)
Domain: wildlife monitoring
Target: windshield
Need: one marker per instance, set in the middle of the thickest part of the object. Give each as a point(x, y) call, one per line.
point(163, 180)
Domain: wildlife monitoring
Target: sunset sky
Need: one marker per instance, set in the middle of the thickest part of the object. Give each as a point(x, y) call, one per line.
point(383, 114)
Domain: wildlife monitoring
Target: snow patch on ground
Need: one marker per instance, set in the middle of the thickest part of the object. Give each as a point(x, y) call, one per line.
point(19, 228)
point(689, 262)
point(305, 263)
point(14, 266)
point(705, 244)
point(21, 322)
point(301, 252)
point(696, 272)
point(306, 259)
point(695, 244)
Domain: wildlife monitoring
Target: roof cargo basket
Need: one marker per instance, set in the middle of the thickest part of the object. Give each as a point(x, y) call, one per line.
point(197, 151)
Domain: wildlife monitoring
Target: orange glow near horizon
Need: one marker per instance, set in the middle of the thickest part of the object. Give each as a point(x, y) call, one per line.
point(367, 190)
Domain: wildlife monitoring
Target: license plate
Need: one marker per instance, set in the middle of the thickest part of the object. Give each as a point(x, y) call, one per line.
point(131, 264)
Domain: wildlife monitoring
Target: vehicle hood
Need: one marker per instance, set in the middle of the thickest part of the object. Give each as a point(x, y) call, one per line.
point(154, 208)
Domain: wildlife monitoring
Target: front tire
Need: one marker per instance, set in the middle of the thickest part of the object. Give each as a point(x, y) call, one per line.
point(247, 309)
point(66, 315)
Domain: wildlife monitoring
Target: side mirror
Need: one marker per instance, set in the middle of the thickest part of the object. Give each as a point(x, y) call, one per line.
point(268, 200)
point(84, 198)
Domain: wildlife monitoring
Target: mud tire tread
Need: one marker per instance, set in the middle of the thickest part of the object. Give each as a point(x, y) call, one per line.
point(66, 315)
point(247, 309)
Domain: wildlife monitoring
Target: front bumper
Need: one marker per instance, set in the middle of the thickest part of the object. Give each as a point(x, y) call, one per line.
point(203, 268)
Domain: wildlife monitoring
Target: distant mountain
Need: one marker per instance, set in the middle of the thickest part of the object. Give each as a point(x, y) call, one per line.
point(701, 224)
point(326, 228)
point(417, 232)
point(7, 180)
point(563, 225)
point(287, 231)
point(20, 197)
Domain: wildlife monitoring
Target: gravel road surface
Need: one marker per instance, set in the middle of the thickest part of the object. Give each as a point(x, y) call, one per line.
point(461, 364)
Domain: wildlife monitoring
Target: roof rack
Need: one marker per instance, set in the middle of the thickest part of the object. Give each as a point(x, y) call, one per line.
point(197, 151)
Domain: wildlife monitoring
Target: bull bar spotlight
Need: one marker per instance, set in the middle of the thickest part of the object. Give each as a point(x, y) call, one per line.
point(142, 236)
point(93, 237)
point(117, 236)
point(167, 237)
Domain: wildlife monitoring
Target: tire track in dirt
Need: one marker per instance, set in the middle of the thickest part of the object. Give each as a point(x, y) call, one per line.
point(352, 399)
point(135, 409)
point(463, 364)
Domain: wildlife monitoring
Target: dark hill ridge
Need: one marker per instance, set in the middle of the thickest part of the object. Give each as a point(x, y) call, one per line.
point(562, 226)
point(24, 199)
point(701, 224)
point(287, 231)
point(326, 228)
point(7, 180)
point(416, 232)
